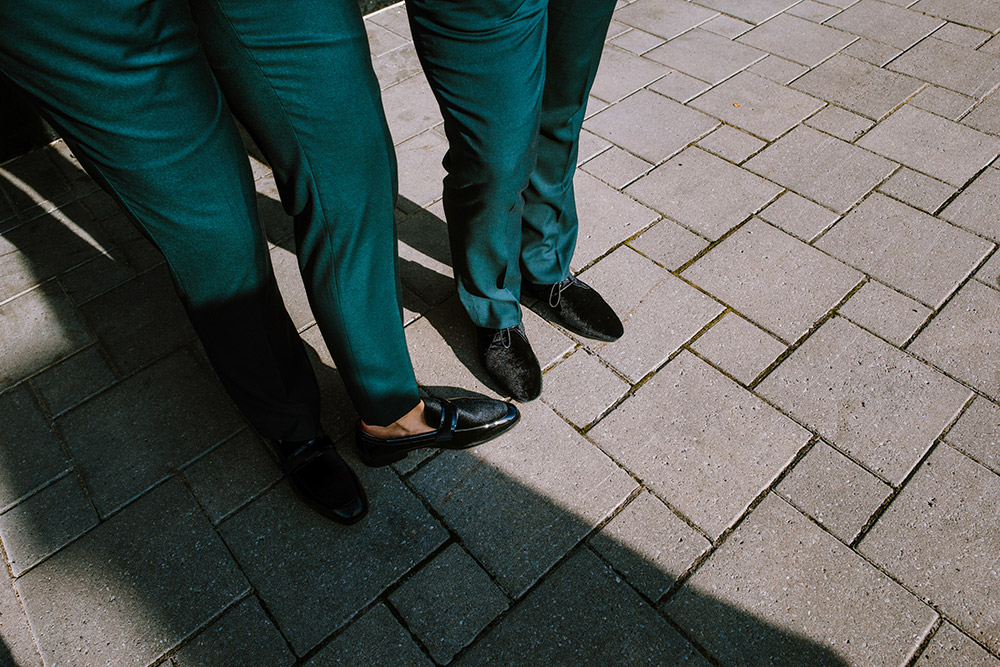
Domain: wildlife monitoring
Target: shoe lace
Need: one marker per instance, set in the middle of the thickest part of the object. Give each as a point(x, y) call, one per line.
point(555, 293)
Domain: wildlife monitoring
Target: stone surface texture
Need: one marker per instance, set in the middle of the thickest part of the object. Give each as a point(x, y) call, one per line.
point(792, 456)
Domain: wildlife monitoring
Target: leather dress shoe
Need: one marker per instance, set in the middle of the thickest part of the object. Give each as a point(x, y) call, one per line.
point(577, 307)
point(507, 356)
point(461, 423)
point(323, 479)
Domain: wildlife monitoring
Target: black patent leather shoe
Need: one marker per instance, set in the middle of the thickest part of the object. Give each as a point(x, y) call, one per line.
point(507, 356)
point(323, 480)
point(577, 307)
point(461, 423)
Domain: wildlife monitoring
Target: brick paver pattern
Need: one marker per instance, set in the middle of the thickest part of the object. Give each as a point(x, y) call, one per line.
point(793, 452)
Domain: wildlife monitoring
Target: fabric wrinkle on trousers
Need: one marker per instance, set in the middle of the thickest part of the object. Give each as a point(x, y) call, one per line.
point(134, 88)
point(512, 79)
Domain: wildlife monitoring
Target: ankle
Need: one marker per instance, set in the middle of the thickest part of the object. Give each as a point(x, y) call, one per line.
point(412, 423)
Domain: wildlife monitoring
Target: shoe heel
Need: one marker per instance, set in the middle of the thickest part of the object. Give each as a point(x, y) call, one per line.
point(375, 459)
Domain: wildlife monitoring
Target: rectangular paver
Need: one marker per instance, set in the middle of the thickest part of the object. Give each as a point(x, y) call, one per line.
point(882, 22)
point(707, 56)
point(856, 85)
point(700, 441)
point(665, 18)
point(781, 587)
point(960, 68)
point(796, 39)
point(866, 397)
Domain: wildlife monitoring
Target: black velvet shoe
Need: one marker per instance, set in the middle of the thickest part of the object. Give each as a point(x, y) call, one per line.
point(508, 358)
point(323, 479)
point(461, 423)
point(577, 307)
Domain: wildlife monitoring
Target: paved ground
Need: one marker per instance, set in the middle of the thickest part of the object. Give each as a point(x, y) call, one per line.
point(792, 456)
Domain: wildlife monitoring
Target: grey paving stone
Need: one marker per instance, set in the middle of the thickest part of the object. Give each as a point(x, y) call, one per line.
point(977, 207)
point(822, 168)
point(992, 46)
point(622, 73)
point(636, 41)
point(975, 433)
point(420, 169)
point(882, 22)
point(917, 190)
point(840, 123)
point(962, 338)
point(731, 144)
point(521, 503)
point(37, 170)
point(938, 538)
point(231, 475)
point(704, 193)
point(738, 347)
point(950, 647)
point(134, 587)
point(72, 380)
point(650, 545)
point(293, 290)
point(909, 250)
point(757, 105)
point(665, 18)
point(96, 276)
point(591, 145)
point(45, 522)
point(660, 312)
point(38, 328)
point(669, 244)
point(582, 615)
point(948, 151)
point(796, 39)
point(871, 51)
point(943, 102)
point(959, 68)
point(834, 490)
point(960, 34)
point(448, 602)
point(616, 28)
point(975, 13)
point(410, 108)
point(755, 11)
point(581, 388)
point(678, 86)
point(726, 26)
point(813, 11)
point(18, 646)
point(650, 125)
point(985, 117)
point(314, 575)
point(616, 167)
point(856, 85)
point(989, 273)
point(773, 279)
point(396, 65)
point(243, 636)
point(376, 638)
point(808, 595)
point(687, 433)
point(885, 312)
point(139, 321)
point(864, 396)
point(33, 455)
point(798, 216)
point(705, 55)
point(607, 217)
point(393, 18)
point(131, 436)
point(425, 256)
point(778, 69)
point(381, 40)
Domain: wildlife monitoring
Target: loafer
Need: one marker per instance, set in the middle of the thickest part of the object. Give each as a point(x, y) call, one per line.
point(323, 479)
point(577, 307)
point(461, 423)
point(508, 358)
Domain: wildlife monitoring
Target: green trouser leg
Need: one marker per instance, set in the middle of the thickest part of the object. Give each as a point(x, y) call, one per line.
point(512, 80)
point(128, 84)
point(577, 29)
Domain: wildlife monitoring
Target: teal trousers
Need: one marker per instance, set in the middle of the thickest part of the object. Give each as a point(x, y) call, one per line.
point(145, 91)
point(512, 79)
